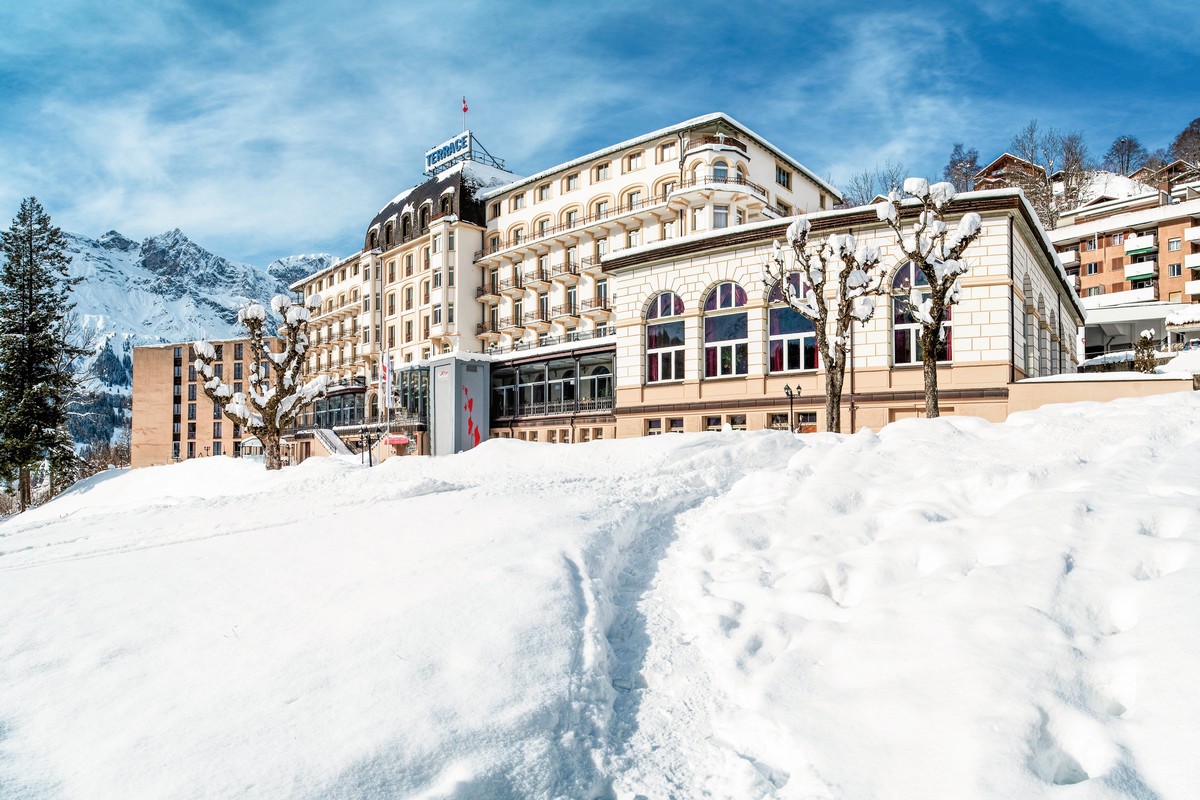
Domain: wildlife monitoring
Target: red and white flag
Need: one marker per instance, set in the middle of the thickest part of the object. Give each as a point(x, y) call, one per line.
point(464, 105)
point(385, 381)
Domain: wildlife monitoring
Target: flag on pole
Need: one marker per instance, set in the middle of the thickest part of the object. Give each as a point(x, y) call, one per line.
point(464, 105)
point(385, 381)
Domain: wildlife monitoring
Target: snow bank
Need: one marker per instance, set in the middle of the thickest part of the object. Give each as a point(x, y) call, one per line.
point(946, 609)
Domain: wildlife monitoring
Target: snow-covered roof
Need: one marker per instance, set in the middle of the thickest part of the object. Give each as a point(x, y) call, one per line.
point(1187, 315)
point(658, 134)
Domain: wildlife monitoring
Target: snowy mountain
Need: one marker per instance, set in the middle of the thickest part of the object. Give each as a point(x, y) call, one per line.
point(164, 289)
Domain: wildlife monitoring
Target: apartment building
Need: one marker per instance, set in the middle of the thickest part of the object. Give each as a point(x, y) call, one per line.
point(173, 420)
point(1134, 260)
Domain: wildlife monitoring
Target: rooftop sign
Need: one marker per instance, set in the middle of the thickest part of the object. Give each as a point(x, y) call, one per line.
point(449, 150)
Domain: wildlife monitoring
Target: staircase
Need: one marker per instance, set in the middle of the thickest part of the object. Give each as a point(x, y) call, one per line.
point(330, 441)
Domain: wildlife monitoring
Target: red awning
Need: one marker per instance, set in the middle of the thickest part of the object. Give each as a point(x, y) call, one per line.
point(396, 440)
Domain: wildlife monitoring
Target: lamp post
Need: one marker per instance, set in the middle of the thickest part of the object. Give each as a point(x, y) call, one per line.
point(367, 439)
point(791, 396)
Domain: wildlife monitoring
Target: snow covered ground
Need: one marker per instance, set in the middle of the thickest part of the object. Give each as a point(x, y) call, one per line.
point(946, 609)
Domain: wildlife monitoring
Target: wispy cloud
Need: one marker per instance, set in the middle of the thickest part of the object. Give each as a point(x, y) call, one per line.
point(273, 128)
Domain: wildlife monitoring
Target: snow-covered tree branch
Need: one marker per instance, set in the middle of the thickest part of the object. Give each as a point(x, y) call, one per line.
point(936, 250)
point(276, 393)
point(837, 264)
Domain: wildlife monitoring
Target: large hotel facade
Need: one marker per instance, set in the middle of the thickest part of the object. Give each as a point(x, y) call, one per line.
point(622, 294)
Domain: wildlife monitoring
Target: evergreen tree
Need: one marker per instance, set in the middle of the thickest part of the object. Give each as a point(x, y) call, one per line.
point(35, 358)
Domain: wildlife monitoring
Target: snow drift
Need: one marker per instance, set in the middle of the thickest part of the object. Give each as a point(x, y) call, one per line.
point(945, 609)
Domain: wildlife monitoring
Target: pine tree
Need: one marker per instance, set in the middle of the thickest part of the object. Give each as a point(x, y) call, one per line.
point(35, 356)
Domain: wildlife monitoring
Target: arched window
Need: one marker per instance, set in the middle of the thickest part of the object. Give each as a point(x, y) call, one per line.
point(600, 209)
point(518, 236)
point(1027, 329)
point(445, 205)
point(387, 235)
point(792, 337)
point(424, 218)
point(1043, 338)
point(374, 240)
point(726, 346)
point(406, 227)
point(664, 339)
point(720, 171)
point(906, 330)
point(740, 174)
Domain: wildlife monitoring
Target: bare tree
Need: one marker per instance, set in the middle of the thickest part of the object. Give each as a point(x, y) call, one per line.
point(1125, 155)
point(1187, 144)
point(961, 168)
point(865, 186)
point(854, 284)
point(1061, 170)
point(277, 394)
point(936, 252)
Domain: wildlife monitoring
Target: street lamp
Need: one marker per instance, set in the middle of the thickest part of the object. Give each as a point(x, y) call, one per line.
point(367, 439)
point(791, 396)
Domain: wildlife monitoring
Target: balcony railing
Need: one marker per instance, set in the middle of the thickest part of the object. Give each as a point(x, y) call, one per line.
point(595, 304)
point(485, 327)
point(546, 341)
point(509, 322)
point(560, 407)
point(697, 142)
point(730, 180)
point(578, 222)
point(487, 289)
point(535, 316)
point(1141, 269)
point(537, 275)
point(568, 268)
point(1146, 243)
point(567, 310)
point(515, 282)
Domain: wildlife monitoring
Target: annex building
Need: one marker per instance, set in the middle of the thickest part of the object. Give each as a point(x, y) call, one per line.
point(621, 294)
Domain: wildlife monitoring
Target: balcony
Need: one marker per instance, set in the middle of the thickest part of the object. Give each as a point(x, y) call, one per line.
point(564, 270)
point(572, 336)
point(722, 180)
point(485, 327)
point(566, 310)
point(509, 322)
point(515, 282)
point(1147, 295)
point(488, 289)
point(1069, 257)
point(578, 222)
point(1141, 270)
point(1192, 235)
point(535, 319)
point(1137, 245)
point(600, 304)
point(1191, 287)
point(1192, 261)
point(706, 140)
point(537, 277)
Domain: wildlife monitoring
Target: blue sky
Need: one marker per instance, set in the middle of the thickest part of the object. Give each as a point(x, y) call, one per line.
point(271, 128)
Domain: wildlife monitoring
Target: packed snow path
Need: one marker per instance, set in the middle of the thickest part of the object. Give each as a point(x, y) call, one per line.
point(946, 609)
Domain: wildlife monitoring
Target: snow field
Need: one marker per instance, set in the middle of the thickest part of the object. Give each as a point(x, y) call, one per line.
point(945, 609)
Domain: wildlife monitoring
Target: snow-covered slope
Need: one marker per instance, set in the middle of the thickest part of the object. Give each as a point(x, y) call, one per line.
point(946, 609)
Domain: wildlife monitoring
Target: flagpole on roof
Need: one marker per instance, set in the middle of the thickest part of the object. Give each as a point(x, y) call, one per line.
point(464, 115)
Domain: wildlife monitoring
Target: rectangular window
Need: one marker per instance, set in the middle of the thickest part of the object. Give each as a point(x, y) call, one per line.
point(450, 241)
point(408, 333)
point(713, 423)
point(1093, 268)
point(633, 237)
point(391, 271)
point(572, 181)
point(653, 427)
point(191, 410)
point(191, 450)
point(179, 352)
point(437, 315)
point(666, 152)
point(237, 371)
point(192, 392)
point(725, 345)
point(602, 171)
point(408, 265)
point(391, 339)
point(408, 299)
point(495, 210)
point(191, 430)
point(216, 431)
point(665, 352)
point(1174, 270)
point(783, 176)
point(675, 425)
point(1090, 244)
point(218, 370)
point(216, 411)
point(1118, 238)
point(437, 279)
point(720, 216)
point(1173, 245)
point(391, 307)
point(697, 219)
point(450, 313)
point(518, 201)
point(437, 244)
point(237, 352)
point(219, 351)
point(217, 449)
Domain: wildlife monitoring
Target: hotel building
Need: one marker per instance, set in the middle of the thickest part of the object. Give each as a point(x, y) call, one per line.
point(173, 420)
point(622, 294)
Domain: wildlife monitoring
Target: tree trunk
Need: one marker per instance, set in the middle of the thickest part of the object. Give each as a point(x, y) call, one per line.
point(929, 346)
point(271, 451)
point(835, 375)
point(24, 489)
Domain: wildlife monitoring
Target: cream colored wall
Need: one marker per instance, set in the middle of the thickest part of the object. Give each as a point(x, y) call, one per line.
point(1026, 396)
